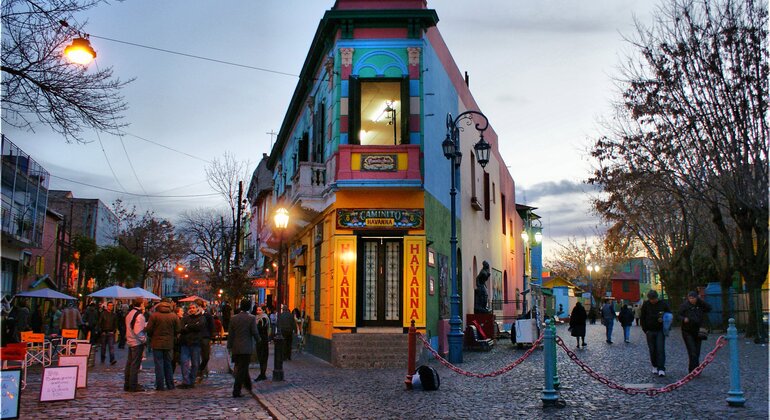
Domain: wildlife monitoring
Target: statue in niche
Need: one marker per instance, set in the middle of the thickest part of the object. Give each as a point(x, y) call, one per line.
point(481, 296)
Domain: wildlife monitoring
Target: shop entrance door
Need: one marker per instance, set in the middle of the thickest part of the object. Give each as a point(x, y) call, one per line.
point(381, 281)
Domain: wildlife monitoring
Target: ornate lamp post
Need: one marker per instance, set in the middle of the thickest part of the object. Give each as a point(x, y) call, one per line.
point(281, 220)
point(451, 147)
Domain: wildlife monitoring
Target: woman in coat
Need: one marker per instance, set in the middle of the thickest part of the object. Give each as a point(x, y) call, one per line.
point(626, 319)
point(692, 313)
point(577, 323)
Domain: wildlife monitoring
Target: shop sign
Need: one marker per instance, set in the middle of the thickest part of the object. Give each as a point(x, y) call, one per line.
point(380, 218)
point(345, 281)
point(379, 163)
point(414, 281)
point(263, 283)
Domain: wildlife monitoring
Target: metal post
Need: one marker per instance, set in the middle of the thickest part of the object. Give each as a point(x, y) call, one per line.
point(735, 395)
point(549, 397)
point(455, 330)
point(410, 359)
point(556, 382)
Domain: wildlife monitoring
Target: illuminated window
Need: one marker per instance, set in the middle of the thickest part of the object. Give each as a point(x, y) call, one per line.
point(378, 112)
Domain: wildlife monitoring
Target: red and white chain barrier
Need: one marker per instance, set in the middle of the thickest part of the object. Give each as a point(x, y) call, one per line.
point(721, 342)
point(498, 372)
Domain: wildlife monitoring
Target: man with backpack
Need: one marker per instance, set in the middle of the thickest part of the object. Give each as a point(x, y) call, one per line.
point(136, 340)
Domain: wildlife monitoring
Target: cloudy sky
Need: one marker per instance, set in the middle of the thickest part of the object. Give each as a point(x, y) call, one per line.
point(541, 70)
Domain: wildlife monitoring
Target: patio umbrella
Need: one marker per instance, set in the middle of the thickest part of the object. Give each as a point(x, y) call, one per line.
point(192, 298)
point(116, 292)
point(46, 293)
point(144, 293)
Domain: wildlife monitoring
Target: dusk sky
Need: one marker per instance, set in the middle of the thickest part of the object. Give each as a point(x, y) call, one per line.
point(542, 71)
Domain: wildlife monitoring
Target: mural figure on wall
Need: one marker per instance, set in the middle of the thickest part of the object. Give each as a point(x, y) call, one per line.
point(443, 286)
point(481, 295)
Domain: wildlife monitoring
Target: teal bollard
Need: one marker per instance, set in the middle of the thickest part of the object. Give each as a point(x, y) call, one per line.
point(735, 395)
point(556, 383)
point(550, 397)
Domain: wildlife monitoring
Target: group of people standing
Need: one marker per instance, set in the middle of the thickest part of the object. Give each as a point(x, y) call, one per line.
point(655, 318)
point(175, 336)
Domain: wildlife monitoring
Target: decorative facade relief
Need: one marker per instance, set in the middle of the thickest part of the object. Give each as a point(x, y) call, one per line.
point(414, 55)
point(346, 55)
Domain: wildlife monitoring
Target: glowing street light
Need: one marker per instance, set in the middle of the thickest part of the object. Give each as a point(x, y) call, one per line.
point(80, 51)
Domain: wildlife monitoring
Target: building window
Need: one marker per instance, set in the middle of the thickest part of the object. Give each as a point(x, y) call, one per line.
point(319, 133)
point(625, 286)
point(379, 111)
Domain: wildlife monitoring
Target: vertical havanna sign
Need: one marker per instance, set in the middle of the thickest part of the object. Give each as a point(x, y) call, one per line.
point(345, 281)
point(414, 281)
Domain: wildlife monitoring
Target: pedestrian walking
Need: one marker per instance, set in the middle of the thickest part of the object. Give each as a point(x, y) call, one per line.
point(193, 324)
point(53, 320)
point(287, 327)
point(637, 313)
point(592, 315)
point(263, 328)
point(692, 313)
point(136, 339)
point(608, 318)
point(227, 313)
point(651, 318)
point(163, 329)
point(273, 315)
point(90, 319)
point(240, 341)
point(577, 323)
point(21, 315)
point(626, 318)
point(120, 310)
point(107, 326)
point(206, 333)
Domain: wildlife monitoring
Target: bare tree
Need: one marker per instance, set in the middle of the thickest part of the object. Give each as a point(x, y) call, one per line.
point(39, 84)
point(694, 112)
point(209, 240)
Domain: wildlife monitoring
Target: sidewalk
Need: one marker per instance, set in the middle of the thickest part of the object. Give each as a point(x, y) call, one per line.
point(313, 389)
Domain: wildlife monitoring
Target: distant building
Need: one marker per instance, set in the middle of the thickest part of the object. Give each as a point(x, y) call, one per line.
point(89, 217)
point(24, 201)
point(641, 269)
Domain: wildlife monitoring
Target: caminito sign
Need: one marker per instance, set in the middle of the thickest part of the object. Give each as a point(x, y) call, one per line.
point(380, 218)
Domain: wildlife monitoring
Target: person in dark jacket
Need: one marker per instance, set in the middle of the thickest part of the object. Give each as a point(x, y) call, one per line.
point(107, 326)
point(577, 323)
point(263, 327)
point(626, 318)
point(692, 313)
point(286, 327)
point(652, 325)
point(608, 318)
point(36, 320)
point(240, 341)
point(163, 329)
point(90, 320)
point(206, 333)
point(192, 325)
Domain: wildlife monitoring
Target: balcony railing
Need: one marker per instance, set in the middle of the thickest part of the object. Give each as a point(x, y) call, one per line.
point(309, 183)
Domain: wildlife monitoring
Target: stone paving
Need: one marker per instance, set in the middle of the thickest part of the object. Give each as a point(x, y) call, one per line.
point(313, 389)
point(104, 397)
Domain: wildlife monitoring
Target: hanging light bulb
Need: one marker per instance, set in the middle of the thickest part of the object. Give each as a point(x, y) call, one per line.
point(80, 51)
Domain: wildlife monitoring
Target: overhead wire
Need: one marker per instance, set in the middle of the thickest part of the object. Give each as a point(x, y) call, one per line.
point(133, 194)
point(229, 63)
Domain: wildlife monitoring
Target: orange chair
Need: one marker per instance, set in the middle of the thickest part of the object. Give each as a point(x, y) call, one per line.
point(38, 348)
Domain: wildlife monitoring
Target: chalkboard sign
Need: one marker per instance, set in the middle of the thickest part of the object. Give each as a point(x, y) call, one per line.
point(10, 387)
point(82, 363)
point(59, 383)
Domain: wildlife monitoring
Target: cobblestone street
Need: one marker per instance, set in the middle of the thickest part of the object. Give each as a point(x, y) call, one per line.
point(314, 389)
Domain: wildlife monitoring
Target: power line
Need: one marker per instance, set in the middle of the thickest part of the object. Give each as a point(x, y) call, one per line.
point(229, 63)
point(134, 194)
point(166, 147)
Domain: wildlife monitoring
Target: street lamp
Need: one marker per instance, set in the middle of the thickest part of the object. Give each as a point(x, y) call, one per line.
point(281, 220)
point(451, 148)
point(591, 268)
